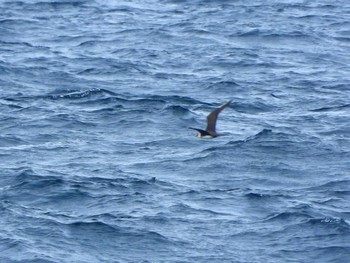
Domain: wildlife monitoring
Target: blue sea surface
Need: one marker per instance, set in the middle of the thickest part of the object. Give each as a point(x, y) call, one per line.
point(97, 161)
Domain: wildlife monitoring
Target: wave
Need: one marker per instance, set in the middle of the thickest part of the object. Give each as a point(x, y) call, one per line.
point(58, 5)
point(26, 146)
point(222, 86)
point(99, 93)
point(327, 223)
point(16, 22)
point(11, 141)
point(274, 35)
point(268, 136)
point(264, 139)
point(29, 180)
point(15, 44)
point(260, 196)
point(253, 107)
point(343, 39)
point(93, 228)
point(333, 108)
point(291, 217)
point(67, 192)
point(337, 187)
point(102, 102)
point(76, 94)
point(176, 110)
point(263, 134)
point(188, 210)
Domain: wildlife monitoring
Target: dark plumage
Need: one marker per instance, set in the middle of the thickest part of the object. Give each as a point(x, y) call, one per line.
point(211, 122)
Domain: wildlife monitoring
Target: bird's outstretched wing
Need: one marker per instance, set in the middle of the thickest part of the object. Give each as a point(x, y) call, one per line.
point(213, 116)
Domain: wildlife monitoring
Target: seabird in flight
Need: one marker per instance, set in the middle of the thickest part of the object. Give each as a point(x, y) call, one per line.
point(211, 120)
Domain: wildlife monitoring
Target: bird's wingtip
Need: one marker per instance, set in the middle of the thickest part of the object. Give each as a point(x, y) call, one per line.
point(226, 103)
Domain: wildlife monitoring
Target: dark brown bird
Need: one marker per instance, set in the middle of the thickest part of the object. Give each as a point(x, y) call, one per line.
point(211, 123)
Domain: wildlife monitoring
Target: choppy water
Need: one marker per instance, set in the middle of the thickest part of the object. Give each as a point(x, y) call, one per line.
point(97, 163)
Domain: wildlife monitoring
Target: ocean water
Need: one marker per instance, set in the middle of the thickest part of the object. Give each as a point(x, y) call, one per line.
point(97, 163)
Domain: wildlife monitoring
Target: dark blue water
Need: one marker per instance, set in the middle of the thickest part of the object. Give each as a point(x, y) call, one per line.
point(97, 163)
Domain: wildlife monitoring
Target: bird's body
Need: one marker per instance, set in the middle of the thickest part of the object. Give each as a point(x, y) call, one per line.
point(211, 123)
